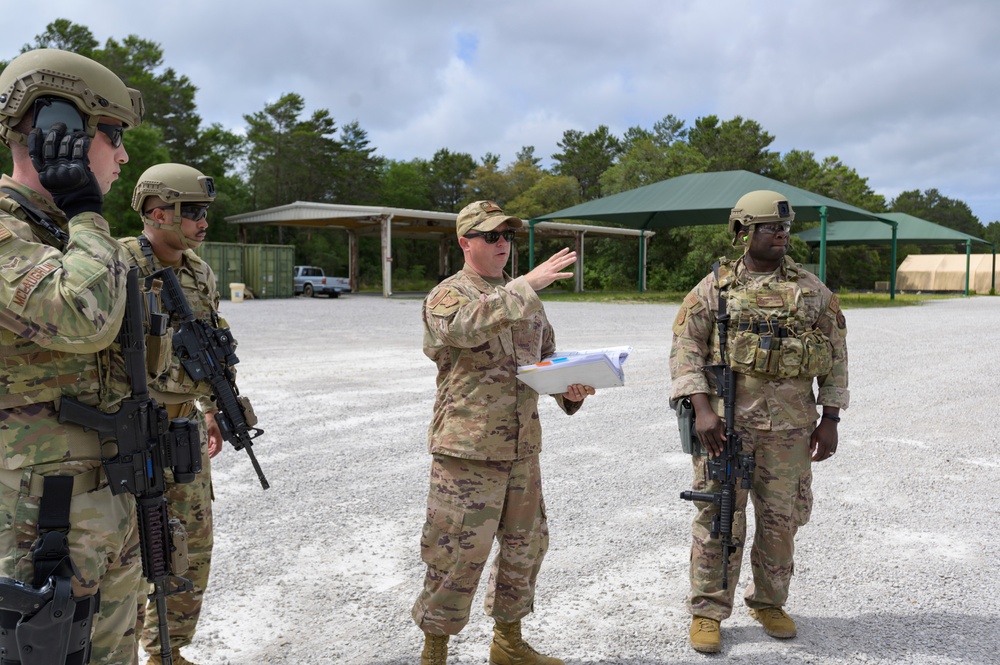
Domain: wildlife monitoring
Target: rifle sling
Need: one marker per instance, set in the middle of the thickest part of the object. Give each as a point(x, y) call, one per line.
point(38, 218)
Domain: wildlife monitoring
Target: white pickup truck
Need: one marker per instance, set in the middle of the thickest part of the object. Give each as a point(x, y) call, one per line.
point(310, 281)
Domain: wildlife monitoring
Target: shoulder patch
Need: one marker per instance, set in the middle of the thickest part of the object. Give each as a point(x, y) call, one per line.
point(5, 233)
point(836, 312)
point(445, 301)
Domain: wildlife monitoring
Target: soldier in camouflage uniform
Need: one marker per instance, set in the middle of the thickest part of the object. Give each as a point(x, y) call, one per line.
point(485, 438)
point(62, 300)
point(173, 201)
point(786, 334)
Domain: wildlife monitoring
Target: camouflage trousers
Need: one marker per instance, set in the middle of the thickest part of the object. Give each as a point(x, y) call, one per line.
point(782, 501)
point(104, 547)
point(191, 503)
point(471, 502)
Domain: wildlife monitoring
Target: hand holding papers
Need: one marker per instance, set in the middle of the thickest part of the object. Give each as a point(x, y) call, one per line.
point(599, 368)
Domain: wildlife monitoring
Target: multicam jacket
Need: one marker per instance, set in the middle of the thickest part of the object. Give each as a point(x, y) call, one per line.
point(60, 310)
point(478, 335)
point(761, 403)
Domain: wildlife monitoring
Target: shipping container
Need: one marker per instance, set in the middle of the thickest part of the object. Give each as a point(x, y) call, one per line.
point(226, 259)
point(267, 270)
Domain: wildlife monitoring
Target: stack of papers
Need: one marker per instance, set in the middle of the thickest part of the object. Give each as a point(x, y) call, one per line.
point(598, 368)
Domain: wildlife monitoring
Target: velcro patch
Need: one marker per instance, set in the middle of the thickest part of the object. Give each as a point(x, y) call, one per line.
point(770, 300)
point(5, 233)
point(31, 282)
point(445, 301)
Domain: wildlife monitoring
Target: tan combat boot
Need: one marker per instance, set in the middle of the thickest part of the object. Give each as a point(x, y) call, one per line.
point(776, 622)
point(705, 635)
point(175, 657)
point(435, 650)
point(509, 648)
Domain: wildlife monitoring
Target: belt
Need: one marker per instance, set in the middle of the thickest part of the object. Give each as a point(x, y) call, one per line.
point(88, 481)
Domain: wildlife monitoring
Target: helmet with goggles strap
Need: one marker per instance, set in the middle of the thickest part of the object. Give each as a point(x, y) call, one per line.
point(40, 76)
point(174, 185)
point(760, 207)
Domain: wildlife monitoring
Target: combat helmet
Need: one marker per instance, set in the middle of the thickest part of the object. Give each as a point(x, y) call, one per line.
point(93, 88)
point(760, 207)
point(176, 184)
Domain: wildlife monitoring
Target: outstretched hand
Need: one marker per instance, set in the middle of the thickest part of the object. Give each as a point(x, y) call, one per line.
point(63, 167)
point(548, 272)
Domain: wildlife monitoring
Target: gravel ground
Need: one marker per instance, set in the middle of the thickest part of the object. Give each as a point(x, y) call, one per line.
point(898, 565)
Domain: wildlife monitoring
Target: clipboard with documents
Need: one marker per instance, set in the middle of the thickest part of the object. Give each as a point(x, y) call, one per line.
point(598, 368)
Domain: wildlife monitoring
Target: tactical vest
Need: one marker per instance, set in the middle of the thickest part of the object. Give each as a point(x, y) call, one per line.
point(198, 284)
point(769, 334)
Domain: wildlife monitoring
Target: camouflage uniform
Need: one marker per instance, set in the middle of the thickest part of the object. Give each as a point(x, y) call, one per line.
point(485, 438)
point(189, 502)
point(59, 314)
point(775, 417)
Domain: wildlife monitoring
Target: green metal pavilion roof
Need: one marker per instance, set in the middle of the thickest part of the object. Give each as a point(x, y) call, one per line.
point(910, 229)
point(702, 198)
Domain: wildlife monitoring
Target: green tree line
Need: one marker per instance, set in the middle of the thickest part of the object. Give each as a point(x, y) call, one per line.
point(284, 154)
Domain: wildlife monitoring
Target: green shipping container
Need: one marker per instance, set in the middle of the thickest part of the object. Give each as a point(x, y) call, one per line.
point(226, 259)
point(267, 270)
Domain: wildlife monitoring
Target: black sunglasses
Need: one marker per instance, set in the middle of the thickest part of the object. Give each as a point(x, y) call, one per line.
point(195, 213)
point(113, 132)
point(490, 237)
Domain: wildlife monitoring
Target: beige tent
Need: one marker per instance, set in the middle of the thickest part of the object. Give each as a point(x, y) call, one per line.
point(945, 272)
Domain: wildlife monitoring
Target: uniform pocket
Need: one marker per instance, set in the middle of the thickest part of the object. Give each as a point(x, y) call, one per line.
point(803, 500)
point(440, 540)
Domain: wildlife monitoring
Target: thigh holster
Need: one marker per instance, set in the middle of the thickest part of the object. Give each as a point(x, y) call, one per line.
point(43, 624)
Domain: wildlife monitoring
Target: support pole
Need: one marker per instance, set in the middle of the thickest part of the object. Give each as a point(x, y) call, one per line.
point(578, 269)
point(353, 264)
point(822, 244)
point(892, 275)
point(387, 256)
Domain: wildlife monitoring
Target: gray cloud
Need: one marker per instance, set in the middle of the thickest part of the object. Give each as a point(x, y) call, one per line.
point(904, 91)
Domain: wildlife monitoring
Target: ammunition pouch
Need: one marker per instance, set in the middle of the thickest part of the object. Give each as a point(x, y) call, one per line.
point(767, 350)
point(685, 426)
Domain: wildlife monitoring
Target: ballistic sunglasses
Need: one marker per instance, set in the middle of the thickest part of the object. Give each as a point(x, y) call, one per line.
point(491, 237)
point(195, 213)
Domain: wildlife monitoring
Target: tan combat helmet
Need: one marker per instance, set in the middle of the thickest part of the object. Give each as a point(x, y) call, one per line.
point(760, 207)
point(175, 184)
point(93, 88)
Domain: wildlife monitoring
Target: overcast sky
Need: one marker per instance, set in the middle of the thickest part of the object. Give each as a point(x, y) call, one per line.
point(906, 92)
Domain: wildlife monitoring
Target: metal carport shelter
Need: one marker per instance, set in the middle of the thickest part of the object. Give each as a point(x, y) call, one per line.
point(909, 229)
point(407, 223)
point(707, 198)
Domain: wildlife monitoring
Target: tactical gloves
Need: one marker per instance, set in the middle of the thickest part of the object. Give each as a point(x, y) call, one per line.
point(64, 169)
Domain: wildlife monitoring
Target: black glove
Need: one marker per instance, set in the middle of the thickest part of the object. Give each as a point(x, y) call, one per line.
point(64, 169)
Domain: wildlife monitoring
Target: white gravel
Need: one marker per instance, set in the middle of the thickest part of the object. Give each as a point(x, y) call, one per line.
point(899, 564)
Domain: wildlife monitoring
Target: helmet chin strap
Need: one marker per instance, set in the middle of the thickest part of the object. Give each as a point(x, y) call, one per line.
point(174, 228)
